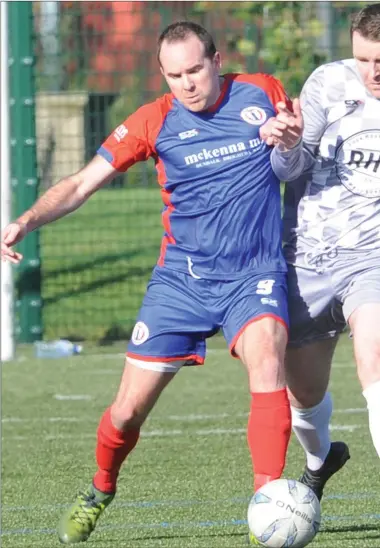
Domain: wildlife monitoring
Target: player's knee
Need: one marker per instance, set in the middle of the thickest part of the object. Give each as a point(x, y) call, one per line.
point(265, 363)
point(262, 343)
point(304, 392)
point(266, 375)
point(305, 396)
point(127, 415)
point(368, 363)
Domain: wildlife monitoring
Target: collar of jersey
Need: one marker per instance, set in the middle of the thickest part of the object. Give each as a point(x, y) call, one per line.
point(223, 91)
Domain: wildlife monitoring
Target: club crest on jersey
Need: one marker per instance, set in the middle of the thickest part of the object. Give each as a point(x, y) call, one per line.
point(253, 115)
point(358, 163)
point(140, 333)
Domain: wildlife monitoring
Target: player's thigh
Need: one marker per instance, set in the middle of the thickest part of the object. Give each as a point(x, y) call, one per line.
point(307, 370)
point(365, 326)
point(172, 324)
point(256, 326)
point(139, 390)
point(261, 348)
point(362, 311)
point(314, 311)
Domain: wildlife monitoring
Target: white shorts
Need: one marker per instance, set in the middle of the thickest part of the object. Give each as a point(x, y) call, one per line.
point(322, 300)
point(161, 367)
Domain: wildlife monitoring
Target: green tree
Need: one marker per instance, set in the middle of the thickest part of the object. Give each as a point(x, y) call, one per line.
point(286, 38)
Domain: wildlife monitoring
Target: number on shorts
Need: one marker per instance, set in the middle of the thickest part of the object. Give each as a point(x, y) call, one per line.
point(264, 287)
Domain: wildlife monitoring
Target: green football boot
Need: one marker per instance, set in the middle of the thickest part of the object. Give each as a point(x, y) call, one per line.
point(79, 521)
point(252, 540)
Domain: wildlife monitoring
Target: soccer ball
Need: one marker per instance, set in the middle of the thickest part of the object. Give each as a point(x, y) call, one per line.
point(284, 513)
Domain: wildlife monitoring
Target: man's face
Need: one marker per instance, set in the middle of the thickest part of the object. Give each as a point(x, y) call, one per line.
point(192, 78)
point(367, 55)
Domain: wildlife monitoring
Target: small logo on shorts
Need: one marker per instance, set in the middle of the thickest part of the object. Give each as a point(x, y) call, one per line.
point(140, 333)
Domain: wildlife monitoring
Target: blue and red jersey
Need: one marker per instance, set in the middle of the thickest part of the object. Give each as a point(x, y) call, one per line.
point(222, 205)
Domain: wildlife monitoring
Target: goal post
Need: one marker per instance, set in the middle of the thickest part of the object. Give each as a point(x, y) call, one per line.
point(7, 332)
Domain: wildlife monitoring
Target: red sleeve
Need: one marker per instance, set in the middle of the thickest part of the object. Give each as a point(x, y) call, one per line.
point(272, 87)
point(134, 140)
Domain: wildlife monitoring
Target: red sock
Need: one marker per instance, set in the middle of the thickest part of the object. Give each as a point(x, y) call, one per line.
point(111, 450)
point(268, 434)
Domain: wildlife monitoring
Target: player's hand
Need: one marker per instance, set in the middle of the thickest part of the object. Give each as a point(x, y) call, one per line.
point(266, 131)
point(10, 236)
point(287, 128)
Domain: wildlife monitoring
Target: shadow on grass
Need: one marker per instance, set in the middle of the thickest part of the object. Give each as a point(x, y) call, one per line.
point(364, 528)
point(115, 332)
point(179, 541)
point(152, 251)
point(86, 288)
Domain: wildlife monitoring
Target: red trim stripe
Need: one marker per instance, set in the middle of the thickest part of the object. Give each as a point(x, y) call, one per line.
point(223, 92)
point(166, 198)
point(255, 319)
point(198, 359)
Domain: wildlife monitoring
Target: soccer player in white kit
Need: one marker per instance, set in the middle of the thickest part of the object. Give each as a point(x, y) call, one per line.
point(332, 241)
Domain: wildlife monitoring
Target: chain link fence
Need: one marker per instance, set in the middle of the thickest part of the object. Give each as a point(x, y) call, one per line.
point(95, 64)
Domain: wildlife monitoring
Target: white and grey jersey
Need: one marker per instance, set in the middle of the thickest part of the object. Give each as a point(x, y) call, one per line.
point(335, 203)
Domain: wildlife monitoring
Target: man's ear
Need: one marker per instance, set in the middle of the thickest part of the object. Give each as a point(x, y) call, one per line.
point(218, 60)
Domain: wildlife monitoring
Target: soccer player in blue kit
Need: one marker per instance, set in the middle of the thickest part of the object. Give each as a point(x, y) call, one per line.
point(220, 266)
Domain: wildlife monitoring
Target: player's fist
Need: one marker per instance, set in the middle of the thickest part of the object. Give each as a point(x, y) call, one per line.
point(11, 235)
point(265, 132)
point(287, 127)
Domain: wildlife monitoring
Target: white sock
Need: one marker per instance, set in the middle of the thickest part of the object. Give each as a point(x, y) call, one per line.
point(372, 395)
point(311, 426)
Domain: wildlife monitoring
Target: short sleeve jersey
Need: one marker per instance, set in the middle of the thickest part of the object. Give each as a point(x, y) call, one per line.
point(337, 203)
point(221, 199)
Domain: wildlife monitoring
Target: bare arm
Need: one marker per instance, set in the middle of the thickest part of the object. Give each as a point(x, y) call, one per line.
point(68, 194)
point(62, 198)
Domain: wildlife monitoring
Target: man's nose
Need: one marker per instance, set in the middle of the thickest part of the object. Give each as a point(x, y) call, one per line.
point(374, 70)
point(188, 83)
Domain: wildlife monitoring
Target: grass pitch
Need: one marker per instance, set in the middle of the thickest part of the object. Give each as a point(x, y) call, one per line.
point(96, 263)
point(188, 482)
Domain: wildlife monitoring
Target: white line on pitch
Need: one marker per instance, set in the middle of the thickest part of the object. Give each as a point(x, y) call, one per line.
point(72, 397)
point(104, 356)
point(108, 371)
point(45, 419)
point(170, 433)
point(147, 505)
point(352, 410)
point(346, 427)
point(119, 355)
point(193, 417)
point(183, 418)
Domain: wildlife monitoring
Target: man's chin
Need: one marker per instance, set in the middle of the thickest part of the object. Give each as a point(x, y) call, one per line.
point(375, 91)
point(196, 106)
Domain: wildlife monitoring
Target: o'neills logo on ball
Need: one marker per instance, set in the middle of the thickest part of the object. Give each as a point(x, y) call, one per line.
point(358, 163)
point(140, 333)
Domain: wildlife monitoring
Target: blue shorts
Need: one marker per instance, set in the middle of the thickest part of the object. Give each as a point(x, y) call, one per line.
point(180, 312)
